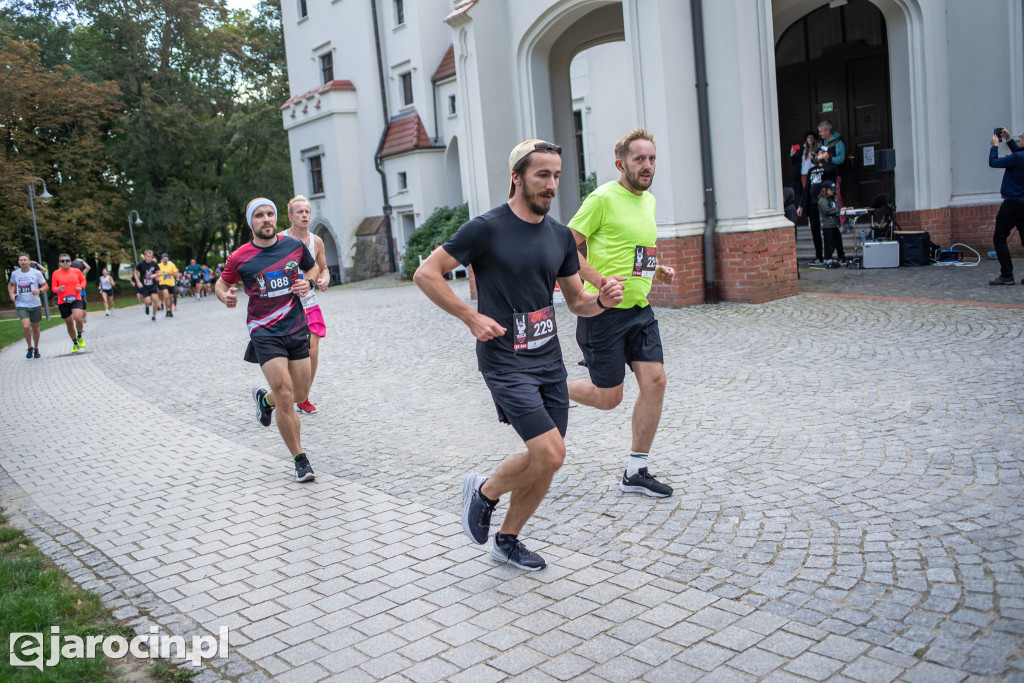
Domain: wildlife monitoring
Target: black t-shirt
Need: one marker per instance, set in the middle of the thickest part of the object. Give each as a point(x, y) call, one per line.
point(515, 264)
point(146, 270)
point(817, 174)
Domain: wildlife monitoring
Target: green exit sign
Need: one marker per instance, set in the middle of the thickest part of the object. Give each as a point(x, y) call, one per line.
point(826, 107)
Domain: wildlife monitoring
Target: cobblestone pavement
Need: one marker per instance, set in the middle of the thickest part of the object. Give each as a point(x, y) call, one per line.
point(848, 479)
point(957, 283)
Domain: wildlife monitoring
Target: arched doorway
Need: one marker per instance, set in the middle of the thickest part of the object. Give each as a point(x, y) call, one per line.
point(545, 56)
point(453, 174)
point(833, 63)
point(330, 252)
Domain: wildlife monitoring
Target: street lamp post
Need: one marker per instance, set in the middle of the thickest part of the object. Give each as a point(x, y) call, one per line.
point(46, 197)
point(138, 221)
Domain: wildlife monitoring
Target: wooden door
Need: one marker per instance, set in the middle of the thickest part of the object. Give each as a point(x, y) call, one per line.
point(870, 128)
point(835, 65)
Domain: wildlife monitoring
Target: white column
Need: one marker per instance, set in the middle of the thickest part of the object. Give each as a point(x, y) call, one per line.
point(744, 115)
point(490, 125)
point(659, 40)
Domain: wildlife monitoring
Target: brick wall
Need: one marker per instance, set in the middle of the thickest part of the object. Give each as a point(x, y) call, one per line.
point(970, 225)
point(752, 267)
point(755, 267)
point(686, 255)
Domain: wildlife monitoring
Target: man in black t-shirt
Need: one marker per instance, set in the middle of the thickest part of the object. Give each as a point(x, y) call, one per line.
point(518, 253)
point(145, 281)
point(85, 268)
point(822, 170)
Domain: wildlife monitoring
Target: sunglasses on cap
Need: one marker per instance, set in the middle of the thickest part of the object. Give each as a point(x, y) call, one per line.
point(547, 147)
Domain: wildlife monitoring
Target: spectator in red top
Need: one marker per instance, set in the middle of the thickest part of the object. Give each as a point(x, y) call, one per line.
point(67, 284)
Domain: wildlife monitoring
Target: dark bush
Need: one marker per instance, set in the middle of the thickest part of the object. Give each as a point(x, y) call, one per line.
point(437, 229)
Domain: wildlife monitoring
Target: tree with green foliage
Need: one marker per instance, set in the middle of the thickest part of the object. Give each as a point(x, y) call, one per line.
point(54, 125)
point(197, 131)
point(202, 134)
point(437, 229)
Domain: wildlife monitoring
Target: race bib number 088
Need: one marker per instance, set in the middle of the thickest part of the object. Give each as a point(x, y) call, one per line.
point(533, 330)
point(276, 283)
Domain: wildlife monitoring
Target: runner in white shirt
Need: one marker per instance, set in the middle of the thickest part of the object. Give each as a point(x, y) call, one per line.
point(299, 213)
point(23, 288)
point(107, 290)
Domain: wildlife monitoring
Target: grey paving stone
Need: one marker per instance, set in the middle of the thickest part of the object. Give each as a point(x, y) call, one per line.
point(813, 666)
point(736, 638)
point(870, 670)
point(705, 656)
point(431, 670)
point(517, 660)
point(566, 666)
point(757, 662)
point(838, 647)
point(621, 669)
point(926, 672)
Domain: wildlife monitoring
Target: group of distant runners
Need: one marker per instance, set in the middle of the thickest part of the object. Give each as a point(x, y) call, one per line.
point(67, 284)
point(158, 284)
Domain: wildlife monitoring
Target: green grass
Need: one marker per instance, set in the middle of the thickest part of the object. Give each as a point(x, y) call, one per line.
point(35, 595)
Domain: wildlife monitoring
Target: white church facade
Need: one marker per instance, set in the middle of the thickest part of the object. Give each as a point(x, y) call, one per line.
point(402, 106)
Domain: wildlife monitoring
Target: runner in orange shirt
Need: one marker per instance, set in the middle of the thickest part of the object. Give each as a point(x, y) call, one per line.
point(67, 284)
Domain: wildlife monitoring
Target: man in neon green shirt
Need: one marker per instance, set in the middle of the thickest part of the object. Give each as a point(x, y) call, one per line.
point(617, 223)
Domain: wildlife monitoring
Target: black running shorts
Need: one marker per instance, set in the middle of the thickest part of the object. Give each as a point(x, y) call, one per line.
point(616, 338)
point(167, 288)
point(533, 401)
point(263, 347)
point(65, 309)
point(149, 290)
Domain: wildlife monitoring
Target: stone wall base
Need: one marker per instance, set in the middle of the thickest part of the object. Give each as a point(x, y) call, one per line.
point(752, 267)
point(970, 225)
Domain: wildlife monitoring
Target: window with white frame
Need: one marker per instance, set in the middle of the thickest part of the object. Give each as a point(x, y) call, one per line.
point(327, 67)
point(405, 81)
point(303, 12)
point(314, 166)
point(451, 106)
point(403, 180)
point(399, 12)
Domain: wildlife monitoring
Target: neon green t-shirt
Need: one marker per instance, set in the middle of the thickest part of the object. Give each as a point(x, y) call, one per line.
point(621, 236)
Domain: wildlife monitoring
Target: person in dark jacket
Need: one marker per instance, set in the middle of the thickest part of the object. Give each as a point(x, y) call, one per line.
point(1011, 212)
point(828, 212)
point(822, 170)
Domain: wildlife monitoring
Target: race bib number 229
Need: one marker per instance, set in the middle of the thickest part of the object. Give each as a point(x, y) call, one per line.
point(533, 330)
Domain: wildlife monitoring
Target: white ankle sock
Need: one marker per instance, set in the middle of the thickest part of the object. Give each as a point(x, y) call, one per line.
point(636, 461)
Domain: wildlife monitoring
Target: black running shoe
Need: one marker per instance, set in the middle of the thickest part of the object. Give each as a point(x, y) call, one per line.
point(643, 482)
point(303, 472)
point(510, 550)
point(263, 411)
point(1002, 280)
point(476, 512)
point(147, 309)
point(28, 354)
